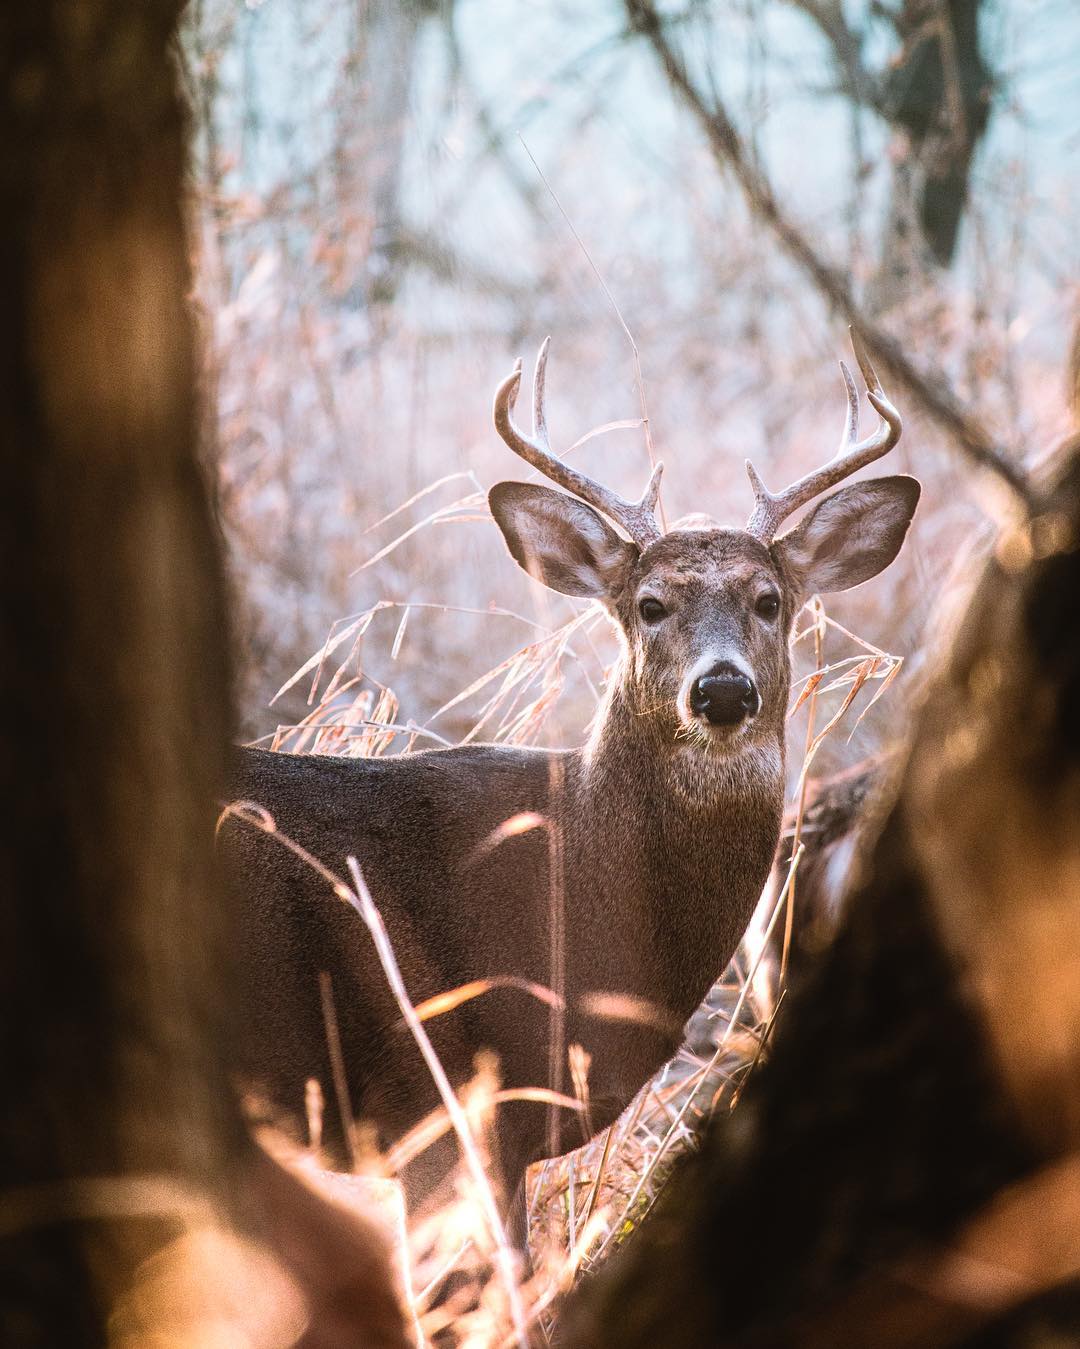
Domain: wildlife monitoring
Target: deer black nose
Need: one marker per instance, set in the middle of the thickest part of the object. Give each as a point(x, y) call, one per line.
point(724, 696)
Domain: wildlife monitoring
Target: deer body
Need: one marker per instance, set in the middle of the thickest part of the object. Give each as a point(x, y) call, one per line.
point(651, 913)
point(639, 923)
point(629, 868)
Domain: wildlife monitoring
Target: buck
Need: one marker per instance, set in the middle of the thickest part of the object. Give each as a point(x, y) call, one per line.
point(629, 867)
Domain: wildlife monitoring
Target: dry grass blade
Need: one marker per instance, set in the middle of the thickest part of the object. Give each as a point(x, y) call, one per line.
point(432, 1127)
point(523, 728)
point(337, 1065)
point(352, 629)
point(623, 424)
point(399, 636)
point(521, 823)
point(817, 612)
point(621, 1007)
point(590, 1204)
point(515, 667)
point(886, 680)
point(343, 734)
point(819, 674)
point(853, 637)
point(762, 1042)
point(862, 672)
point(442, 1003)
point(810, 687)
point(505, 1263)
point(423, 492)
point(454, 511)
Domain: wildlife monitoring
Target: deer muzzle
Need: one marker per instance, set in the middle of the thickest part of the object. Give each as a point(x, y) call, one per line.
point(724, 696)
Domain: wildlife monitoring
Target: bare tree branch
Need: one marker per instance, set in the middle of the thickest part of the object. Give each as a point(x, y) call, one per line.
point(861, 84)
point(930, 388)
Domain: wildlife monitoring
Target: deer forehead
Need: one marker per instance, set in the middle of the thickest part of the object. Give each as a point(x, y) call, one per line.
point(706, 559)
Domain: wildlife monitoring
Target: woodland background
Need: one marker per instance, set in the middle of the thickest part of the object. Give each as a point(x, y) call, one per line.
point(369, 243)
point(377, 242)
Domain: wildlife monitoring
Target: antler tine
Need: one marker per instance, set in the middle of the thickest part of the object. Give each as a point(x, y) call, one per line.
point(851, 426)
point(540, 430)
point(637, 518)
point(771, 510)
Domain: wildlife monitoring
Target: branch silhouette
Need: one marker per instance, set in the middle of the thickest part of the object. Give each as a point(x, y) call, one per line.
point(931, 388)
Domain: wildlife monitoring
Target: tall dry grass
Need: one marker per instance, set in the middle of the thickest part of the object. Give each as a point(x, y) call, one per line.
point(581, 1206)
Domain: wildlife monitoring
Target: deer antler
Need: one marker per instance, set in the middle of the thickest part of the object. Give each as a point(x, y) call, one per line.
point(637, 518)
point(770, 511)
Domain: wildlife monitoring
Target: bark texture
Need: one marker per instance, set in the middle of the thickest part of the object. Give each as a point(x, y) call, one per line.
point(118, 1113)
point(114, 675)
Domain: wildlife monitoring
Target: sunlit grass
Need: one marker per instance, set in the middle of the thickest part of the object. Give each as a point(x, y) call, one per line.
point(465, 1286)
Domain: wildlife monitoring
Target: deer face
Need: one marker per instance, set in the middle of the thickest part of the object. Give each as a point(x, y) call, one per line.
point(705, 614)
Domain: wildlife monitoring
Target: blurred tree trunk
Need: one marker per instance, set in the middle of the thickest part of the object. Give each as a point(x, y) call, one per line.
point(904, 1170)
point(370, 144)
point(114, 668)
point(119, 1115)
point(937, 97)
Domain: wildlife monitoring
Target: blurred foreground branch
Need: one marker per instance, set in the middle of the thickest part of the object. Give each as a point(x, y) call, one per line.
point(127, 1175)
point(931, 389)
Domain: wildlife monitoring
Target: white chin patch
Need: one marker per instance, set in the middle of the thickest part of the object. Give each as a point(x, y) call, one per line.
point(701, 774)
point(697, 733)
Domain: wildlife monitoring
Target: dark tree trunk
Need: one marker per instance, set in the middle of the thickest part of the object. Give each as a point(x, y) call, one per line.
point(113, 670)
point(939, 93)
point(113, 686)
point(937, 96)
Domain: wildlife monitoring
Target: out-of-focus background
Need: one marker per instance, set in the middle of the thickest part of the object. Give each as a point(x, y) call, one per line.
point(396, 198)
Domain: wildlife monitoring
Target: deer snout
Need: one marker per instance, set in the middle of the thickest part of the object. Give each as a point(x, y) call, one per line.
point(724, 696)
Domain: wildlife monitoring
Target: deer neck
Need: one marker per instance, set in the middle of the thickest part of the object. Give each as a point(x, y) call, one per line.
point(680, 814)
point(666, 851)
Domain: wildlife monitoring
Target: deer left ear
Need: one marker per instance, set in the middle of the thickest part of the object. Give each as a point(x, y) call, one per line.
point(851, 535)
point(561, 542)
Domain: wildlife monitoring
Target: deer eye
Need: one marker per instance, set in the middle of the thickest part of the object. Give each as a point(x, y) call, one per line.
point(768, 605)
point(651, 610)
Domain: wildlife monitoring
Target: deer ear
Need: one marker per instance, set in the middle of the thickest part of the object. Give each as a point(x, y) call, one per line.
point(851, 535)
point(561, 542)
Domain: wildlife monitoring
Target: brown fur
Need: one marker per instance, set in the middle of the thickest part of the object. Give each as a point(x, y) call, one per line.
point(660, 835)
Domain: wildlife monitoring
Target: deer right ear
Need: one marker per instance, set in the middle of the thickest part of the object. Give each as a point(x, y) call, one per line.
point(850, 536)
point(561, 542)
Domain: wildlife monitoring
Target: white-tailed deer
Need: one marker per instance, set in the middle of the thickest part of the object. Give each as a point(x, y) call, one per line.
point(657, 835)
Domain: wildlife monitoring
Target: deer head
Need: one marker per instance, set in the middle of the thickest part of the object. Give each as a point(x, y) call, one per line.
point(705, 613)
